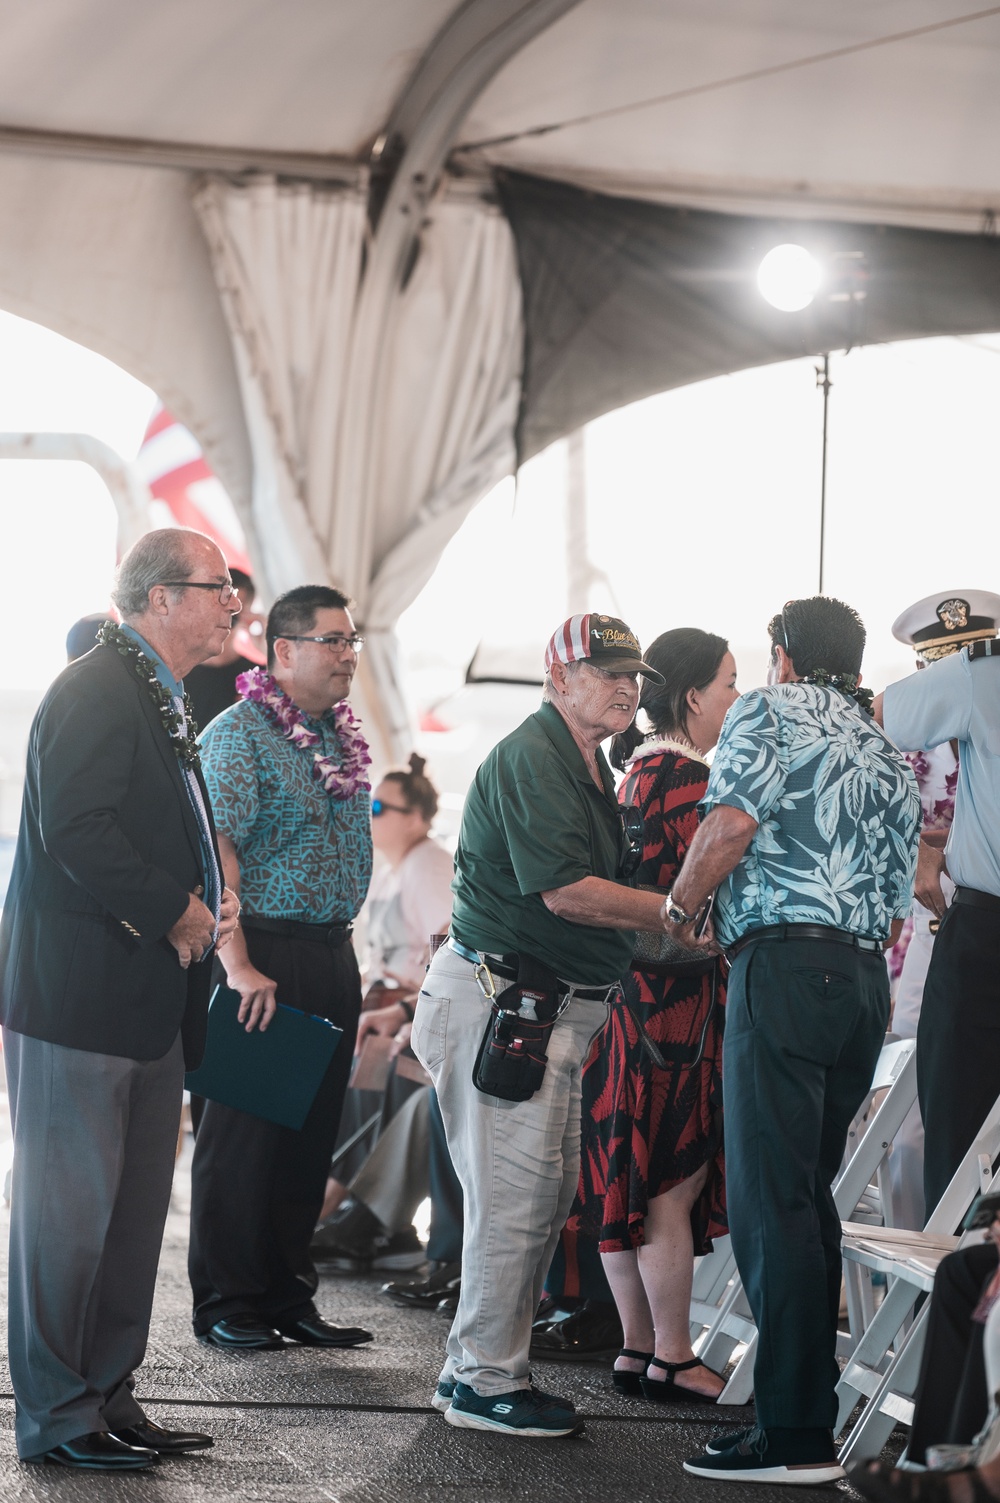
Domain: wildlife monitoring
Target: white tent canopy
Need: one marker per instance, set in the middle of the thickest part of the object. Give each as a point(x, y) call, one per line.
point(281, 216)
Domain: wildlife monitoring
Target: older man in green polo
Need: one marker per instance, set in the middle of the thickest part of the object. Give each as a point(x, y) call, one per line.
point(542, 911)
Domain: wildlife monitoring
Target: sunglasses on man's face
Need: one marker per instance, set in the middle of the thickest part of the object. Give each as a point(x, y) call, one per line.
point(379, 807)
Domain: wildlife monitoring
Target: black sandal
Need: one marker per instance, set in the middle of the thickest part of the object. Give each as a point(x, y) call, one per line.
point(669, 1392)
point(630, 1383)
point(886, 1484)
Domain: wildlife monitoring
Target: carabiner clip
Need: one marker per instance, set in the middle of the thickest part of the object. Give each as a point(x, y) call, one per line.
point(481, 970)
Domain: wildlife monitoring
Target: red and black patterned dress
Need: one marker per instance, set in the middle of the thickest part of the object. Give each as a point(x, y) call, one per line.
point(646, 1129)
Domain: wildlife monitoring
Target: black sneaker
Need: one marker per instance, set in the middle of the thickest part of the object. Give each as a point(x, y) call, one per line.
point(797, 1457)
point(350, 1237)
point(726, 1442)
point(400, 1253)
point(523, 1411)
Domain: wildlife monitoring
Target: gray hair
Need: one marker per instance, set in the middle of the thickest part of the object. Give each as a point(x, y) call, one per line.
point(549, 688)
point(156, 557)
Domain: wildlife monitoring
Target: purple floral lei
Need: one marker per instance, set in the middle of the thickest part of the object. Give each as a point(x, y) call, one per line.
point(340, 782)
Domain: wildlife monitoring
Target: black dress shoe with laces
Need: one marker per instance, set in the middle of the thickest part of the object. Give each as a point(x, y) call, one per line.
point(99, 1451)
point(243, 1333)
point(164, 1442)
point(313, 1330)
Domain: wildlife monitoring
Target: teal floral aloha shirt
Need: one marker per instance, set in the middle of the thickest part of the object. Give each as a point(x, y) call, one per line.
point(837, 808)
point(303, 855)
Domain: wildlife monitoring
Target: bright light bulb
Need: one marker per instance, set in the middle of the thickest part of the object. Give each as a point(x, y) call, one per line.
point(788, 278)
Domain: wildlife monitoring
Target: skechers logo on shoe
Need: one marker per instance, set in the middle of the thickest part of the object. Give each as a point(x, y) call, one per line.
point(502, 1408)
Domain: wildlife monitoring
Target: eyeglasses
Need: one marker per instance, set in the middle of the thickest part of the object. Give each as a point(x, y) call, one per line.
point(335, 640)
point(226, 591)
point(379, 806)
point(630, 857)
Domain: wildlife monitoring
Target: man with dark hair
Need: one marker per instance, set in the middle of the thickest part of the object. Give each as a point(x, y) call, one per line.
point(115, 901)
point(287, 772)
point(212, 685)
point(811, 830)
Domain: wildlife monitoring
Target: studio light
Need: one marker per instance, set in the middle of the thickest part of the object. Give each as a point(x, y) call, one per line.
point(788, 278)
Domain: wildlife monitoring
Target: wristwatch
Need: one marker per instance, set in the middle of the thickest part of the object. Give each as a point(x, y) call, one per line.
point(674, 914)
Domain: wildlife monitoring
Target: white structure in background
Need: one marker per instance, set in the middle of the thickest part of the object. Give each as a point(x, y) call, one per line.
point(256, 219)
point(129, 491)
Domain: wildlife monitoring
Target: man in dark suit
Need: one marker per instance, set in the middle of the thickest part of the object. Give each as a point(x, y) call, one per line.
point(115, 902)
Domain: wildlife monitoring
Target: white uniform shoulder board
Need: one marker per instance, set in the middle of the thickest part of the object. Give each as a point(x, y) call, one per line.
point(989, 647)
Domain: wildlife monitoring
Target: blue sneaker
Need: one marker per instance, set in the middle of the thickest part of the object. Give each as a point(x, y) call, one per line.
point(443, 1395)
point(524, 1411)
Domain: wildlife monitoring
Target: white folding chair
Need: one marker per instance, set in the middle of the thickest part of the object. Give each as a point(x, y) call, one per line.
point(882, 1371)
point(732, 1324)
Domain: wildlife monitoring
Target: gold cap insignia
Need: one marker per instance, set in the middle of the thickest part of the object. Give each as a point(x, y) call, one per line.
point(953, 614)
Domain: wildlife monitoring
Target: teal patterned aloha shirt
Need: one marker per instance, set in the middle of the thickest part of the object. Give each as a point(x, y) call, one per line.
point(303, 855)
point(837, 808)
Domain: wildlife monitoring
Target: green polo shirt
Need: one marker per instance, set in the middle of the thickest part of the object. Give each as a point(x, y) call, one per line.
point(535, 819)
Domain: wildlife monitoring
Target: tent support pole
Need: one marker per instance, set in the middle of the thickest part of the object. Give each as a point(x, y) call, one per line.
point(825, 384)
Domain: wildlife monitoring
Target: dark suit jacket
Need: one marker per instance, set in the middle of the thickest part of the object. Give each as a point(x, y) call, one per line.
point(107, 853)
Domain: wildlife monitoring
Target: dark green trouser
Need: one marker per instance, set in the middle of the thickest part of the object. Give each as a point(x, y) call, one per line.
point(805, 1020)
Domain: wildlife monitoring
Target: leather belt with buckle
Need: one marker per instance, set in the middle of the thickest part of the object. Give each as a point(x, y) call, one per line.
point(807, 931)
point(500, 965)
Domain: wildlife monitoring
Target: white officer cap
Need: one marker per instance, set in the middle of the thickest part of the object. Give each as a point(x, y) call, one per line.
point(938, 624)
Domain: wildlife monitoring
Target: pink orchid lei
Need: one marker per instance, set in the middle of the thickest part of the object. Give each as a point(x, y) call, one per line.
point(340, 782)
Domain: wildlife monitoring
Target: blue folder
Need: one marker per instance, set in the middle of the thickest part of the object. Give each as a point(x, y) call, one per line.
point(274, 1074)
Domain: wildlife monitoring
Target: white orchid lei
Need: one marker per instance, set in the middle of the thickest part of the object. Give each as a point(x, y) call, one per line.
point(339, 781)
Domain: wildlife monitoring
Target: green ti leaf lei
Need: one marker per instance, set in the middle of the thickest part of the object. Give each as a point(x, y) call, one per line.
point(185, 746)
point(846, 683)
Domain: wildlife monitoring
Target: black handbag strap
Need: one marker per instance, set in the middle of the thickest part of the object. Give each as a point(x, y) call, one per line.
point(657, 788)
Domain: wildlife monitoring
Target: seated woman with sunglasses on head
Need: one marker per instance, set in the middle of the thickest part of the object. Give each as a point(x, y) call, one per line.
point(652, 1187)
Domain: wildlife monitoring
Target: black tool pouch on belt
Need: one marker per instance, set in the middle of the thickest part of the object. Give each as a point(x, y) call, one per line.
point(511, 1060)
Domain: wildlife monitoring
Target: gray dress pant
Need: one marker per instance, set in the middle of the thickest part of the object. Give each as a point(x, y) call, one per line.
point(94, 1143)
point(518, 1163)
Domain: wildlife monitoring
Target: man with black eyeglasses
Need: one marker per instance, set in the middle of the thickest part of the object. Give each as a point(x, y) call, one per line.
point(116, 901)
point(810, 836)
point(286, 768)
point(543, 919)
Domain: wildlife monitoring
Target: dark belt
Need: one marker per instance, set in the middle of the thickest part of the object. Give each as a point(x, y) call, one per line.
point(321, 934)
point(502, 965)
point(973, 899)
point(806, 931)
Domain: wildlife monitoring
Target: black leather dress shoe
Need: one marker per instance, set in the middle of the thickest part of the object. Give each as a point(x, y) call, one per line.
point(243, 1333)
point(164, 1442)
point(595, 1330)
point(99, 1452)
point(313, 1330)
point(426, 1293)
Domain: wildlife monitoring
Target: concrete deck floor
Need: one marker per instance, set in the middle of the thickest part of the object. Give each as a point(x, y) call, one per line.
point(307, 1426)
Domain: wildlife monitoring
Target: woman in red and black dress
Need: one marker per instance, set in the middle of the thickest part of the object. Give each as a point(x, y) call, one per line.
point(653, 1170)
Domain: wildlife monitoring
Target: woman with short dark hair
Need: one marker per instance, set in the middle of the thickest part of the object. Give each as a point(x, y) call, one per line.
point(652, 1151)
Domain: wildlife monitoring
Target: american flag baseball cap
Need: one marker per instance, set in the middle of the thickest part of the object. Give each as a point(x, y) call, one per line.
point(604, 641)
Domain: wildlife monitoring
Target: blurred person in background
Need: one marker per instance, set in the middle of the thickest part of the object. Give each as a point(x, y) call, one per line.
point(653, 1172)
point(82, 637)
point(408, 902)
point(212, 685)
